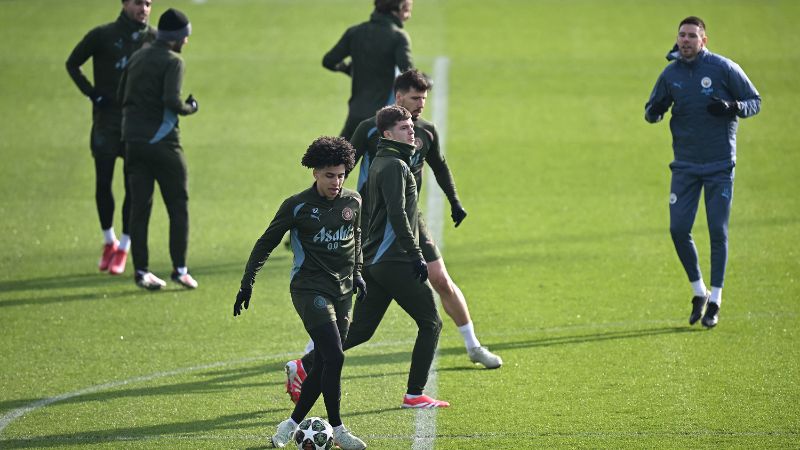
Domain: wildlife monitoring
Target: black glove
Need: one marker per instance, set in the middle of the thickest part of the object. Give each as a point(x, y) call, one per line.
point(458, 213)
point(723, 108)
point(192, 103)
point(420, 270)
point(100, 101)
point(242, 299)
point(658, 109)
point(359, 287)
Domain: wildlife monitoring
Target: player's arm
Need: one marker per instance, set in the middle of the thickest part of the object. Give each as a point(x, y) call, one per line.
point(172, 90)
point(359, 257)
point(402, 52)
point(84, 50)
point(281, 223)
point(659, 102)
point(334, 59)
point(444, 178)
point(744, 92)
point(393, 188)
point(360, 143)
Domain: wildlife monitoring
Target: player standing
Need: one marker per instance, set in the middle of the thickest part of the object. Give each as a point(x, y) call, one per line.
point(110, 46)
point(324, 223)
point(708, 93)
point(151, 102)
point(377, 49)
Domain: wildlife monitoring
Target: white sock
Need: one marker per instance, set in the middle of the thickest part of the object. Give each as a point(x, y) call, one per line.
point(716, 295)
point(109, 235)
point(468, 331)
point(182, 270)
point(413, 395)
point(291, 421)
point(309, 346)
point(699, 288)
point(124, 242)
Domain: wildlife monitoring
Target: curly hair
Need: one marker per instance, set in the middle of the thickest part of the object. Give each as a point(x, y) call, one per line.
point(329, 151)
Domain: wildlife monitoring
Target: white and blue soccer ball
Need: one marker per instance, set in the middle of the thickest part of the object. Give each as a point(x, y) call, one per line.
point(314, 433)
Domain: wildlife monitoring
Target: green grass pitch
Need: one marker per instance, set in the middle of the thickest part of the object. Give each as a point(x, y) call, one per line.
point(565, 257)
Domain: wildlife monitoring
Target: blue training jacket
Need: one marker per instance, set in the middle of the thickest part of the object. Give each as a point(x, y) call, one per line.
point(698, 136)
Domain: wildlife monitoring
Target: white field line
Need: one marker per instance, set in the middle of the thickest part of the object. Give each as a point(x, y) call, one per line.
point(425, 422)
point(14, 414)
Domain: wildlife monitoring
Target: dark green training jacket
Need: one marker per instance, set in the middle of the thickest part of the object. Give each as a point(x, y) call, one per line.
point(393, 233)
point(110, 46)
point(151, 95)
point(377, 48)
point(325, 237)
point(365, 141)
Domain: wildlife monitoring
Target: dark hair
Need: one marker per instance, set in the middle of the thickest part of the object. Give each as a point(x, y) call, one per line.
point(390, 115)
point(693, 20)
point(388, 6)
point(412, 78)
point(329, 151)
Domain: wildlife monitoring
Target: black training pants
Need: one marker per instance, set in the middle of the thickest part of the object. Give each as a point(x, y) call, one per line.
point(162, 162)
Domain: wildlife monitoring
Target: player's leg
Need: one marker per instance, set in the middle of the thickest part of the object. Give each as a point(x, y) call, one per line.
point(417, 301)
point(172, 176)
point(104, 200)
point(718, 197)
point(685, 190)
point(368, 313)
point(120, 258)
point(453, 300)
point(142, 184)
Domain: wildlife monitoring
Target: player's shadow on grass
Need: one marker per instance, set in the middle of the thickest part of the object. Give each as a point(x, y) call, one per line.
point(583, 338)
point(179, 434)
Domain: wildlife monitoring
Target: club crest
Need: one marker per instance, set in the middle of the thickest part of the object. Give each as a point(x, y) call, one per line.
point(705, 82)
point(347, 214)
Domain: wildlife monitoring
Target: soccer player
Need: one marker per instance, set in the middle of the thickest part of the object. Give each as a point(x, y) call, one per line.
point(377, 49)
point(708, 93)
point(324, 223)
point(411, 90)
point(110, 46)
point(150, 90)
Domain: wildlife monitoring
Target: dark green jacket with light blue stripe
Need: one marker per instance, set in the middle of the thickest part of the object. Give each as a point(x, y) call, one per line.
point(325, 238)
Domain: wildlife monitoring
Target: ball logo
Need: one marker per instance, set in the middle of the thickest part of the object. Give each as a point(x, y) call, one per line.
point(705, 82)
point(347, 214)
point(673, 198)
point(320, 302)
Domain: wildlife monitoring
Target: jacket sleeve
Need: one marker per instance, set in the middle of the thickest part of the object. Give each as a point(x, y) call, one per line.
point(661, 96)
point(80, 54)
point(393, 187)
point(281, 223)
point(334, 59)
point(402, 53)
point(359, 257)
point(744, 92)
point(440, 169)
point(172, 88)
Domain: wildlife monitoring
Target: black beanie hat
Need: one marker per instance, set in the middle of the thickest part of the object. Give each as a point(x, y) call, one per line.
point(173, 25)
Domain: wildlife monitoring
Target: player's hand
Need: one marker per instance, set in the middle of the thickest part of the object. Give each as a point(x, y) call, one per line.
point(100, 101)
point(420, 270)
point(190, 100)
point(458, 213)
point(658, 109)
point(359, 287)
point(345, 68)
point(722, 108)
point(242, 299)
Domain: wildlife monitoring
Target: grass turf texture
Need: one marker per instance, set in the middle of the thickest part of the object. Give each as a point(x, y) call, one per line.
point(565, 257)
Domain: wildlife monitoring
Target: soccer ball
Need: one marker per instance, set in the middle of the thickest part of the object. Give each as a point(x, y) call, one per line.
point(314, 433)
